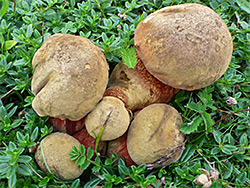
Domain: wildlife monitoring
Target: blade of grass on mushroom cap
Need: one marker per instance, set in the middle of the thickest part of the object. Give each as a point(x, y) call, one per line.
point(101, 131)
point(45, 162)
point(47, 166)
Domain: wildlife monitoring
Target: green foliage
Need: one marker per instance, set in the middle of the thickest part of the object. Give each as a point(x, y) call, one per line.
point(83, 160)
point(112, 174)
point(13, 164)
point(128, 56)
point(244, 5)
point(4, 7)
point(201, 116)
point(215, 129)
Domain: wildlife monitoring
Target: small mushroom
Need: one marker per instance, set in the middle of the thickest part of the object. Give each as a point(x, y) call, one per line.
point(112, 114)
point(185, 46)
point(52, 155)
point(154, 137)
point(70, 77)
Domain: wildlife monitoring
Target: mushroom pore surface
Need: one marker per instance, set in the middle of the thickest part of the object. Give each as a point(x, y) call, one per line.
point(70, 77)
point(185, 46)
point(56, 149)
point(154, 137)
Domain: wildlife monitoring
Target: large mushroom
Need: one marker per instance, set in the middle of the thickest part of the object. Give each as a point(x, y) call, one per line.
point(185, 46)
point(70, 77)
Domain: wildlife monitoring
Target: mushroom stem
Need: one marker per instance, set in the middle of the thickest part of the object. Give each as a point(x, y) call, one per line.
point(66, 125)
point(136, 87)
point(119, 146)
point(88, 141)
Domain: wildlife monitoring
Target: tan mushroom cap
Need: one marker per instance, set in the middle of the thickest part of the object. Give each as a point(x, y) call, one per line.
point(56, 149)
point(154, 136)
point(112, 111)
point(70, 77)
point(185, 46)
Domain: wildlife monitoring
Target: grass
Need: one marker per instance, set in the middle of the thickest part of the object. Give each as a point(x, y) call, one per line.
point(218, 131)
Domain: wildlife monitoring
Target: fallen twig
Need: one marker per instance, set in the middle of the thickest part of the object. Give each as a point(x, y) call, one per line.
point(6, 94)
point(231, 114)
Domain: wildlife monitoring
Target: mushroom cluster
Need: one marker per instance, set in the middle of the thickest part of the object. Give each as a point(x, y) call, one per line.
point(179, 47)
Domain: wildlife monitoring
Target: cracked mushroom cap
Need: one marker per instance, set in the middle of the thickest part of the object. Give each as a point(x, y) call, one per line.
point(185, 46)
point(154, 137)
point(70, 77)
point(54, 150)
point(112, 113)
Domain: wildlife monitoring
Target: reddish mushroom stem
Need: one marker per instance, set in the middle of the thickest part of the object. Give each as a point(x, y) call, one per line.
point(67, 125)
point(136, 87)
point(88, 141)
point(78, 130)
point(119, 146)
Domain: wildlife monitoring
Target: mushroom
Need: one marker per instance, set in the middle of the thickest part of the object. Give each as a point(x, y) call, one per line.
point(185, 46)
point(136, 87)
point(70, 77)
point(52, 156)
point(111, 115)
point(154, 137)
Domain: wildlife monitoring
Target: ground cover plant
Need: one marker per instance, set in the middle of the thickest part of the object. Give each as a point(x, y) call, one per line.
point(215, 119)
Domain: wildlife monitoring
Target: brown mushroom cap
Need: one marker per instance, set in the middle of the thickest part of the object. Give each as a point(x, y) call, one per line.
point(56, 149)
point(154, 136)
point(70, 77)
point(186, 46)
point(113, 111)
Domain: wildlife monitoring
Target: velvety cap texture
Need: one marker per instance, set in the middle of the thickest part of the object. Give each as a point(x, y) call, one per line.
point(70, 77)
point(154, 136)
point(54, 151)
point(185, 46)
